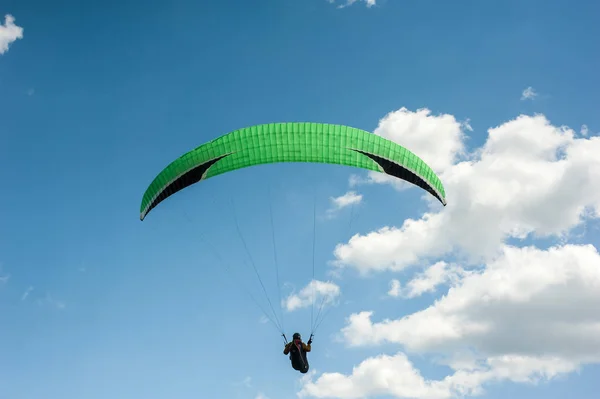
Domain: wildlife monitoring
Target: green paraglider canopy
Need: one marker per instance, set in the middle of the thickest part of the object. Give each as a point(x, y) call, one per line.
point(291, 142)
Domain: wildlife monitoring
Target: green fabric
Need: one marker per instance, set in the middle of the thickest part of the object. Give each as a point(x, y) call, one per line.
point(291, 142)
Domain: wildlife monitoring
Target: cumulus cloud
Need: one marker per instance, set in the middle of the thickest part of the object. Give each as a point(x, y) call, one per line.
point(528, 301)
point(381, 375)
point(316, 292)
point(343, 201)
point(528, 94)
point(396, 376)
point(530, 314)
point(529, 178)
point(523, 314)
point(9, 32)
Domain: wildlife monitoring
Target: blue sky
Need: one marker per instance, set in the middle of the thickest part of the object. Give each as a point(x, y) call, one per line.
point(99, 96)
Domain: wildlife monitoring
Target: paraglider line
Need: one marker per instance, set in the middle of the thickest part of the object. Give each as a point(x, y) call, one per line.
point(351, 219)
point(226, 266)
point(275, 257)
point(322, 318)
point(237, 225)
point(312, 299)
point(318, 313)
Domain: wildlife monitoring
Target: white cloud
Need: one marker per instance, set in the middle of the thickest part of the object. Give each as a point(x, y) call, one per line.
point(381, 375)
point(396, 376)
point(531, 314)
point(369, 3)
point(527, 301)
point(391, 248)
point(528, 94)
point(343, 201)
point(530, 177)
point(435, 275)
point(347, 199)
point(261, 395)
point(9, 32)
point(316, 292)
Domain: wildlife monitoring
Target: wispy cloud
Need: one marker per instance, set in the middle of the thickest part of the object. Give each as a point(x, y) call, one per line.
point(52, 302)
point(529, 94)
point(341, 202)
point(9, 32)
point(3, 276)
point(348, 3)
point(584, 131)
point(246, 382)
point(316, 292)
point(26, 293)
point(395, 288)
point(435, 275)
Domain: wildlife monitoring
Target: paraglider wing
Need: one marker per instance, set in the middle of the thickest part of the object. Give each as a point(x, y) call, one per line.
point(291, 142)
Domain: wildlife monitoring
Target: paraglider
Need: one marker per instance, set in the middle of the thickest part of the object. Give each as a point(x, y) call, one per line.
point(291, 142)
